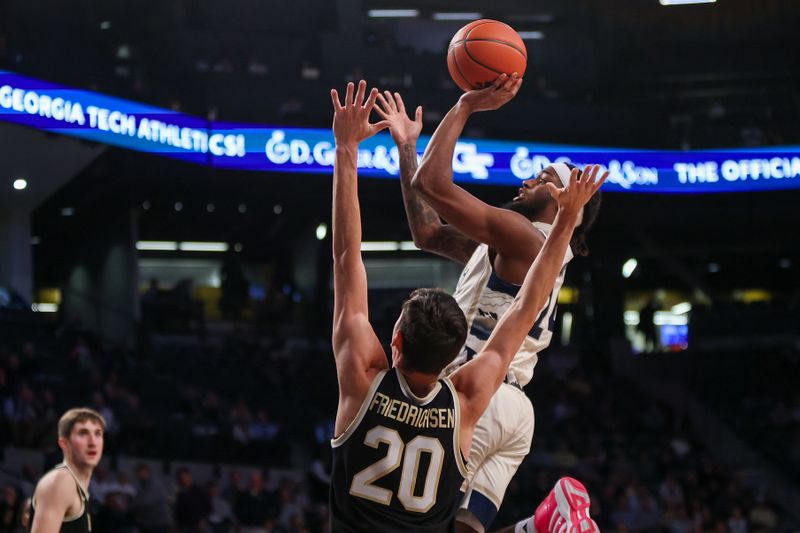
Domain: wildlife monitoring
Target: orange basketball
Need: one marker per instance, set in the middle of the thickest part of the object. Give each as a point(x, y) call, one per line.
point(482, 50)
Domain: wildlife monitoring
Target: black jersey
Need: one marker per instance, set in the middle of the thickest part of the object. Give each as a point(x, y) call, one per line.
point(398, 467)
point(79, 524)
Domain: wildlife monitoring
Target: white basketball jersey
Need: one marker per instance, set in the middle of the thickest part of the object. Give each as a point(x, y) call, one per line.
point(484, 298)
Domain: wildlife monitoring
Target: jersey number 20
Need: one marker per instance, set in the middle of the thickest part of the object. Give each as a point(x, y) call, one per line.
point(410, 459)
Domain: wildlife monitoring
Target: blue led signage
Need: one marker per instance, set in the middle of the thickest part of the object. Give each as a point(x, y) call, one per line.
point(118, 122)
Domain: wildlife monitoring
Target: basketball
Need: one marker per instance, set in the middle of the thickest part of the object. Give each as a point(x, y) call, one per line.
point(482, 50)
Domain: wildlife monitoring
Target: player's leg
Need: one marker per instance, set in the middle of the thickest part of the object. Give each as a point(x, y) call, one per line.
point(564, 510)
point(501, 441)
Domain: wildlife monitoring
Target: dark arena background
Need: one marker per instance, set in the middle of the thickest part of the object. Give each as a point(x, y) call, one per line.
point(176, 275)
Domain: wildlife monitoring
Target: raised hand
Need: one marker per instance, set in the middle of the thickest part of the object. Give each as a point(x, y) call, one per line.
point(500, 92)
point(351, 121)
point(575, 195)
point(393, 111)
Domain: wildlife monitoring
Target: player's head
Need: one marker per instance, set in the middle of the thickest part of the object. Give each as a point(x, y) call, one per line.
point(535, 202)
point(80, 436)
point(430, 332)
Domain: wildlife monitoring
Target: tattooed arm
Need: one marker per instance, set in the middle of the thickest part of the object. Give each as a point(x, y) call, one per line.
point(427, 229)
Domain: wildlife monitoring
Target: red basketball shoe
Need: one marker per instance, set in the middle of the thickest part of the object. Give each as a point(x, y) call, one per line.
point(565, 510)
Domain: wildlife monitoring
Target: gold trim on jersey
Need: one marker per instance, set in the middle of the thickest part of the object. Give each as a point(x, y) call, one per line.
point(363, 488)
point(412, 414)
point(77, 516)
point(341, 439)
point(82, 492)
point(462, 467)
point(411, 396)
point(83, 496)
point(410, 505)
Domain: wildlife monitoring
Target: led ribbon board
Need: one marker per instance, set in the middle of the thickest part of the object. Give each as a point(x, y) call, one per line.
point(104, 119)
point(114, 121)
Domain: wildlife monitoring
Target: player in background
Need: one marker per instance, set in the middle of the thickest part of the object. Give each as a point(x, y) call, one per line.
point(61, 498)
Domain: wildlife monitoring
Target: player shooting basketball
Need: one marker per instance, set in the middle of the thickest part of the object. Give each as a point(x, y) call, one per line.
point(497, 247)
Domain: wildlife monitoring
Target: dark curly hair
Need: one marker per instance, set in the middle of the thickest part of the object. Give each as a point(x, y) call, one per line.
point(590, 212)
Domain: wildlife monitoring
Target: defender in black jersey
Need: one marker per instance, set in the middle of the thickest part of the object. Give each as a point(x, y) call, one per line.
point(401, 433)
point(401, 429)
point(60, 501)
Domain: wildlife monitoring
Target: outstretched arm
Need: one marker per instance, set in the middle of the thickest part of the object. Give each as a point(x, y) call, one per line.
point(359, 355)
point(426, 227)
point(501, 229)
point(478, 380)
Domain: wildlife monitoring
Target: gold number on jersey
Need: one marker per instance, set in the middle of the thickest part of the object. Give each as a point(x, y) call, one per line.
point(408, 480)
point(362, 482)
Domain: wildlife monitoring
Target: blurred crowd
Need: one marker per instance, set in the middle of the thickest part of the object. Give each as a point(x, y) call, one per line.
point(229, 403)
point(248, 402)
point(761, 402)
point(645, 466)
point(149, 502)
